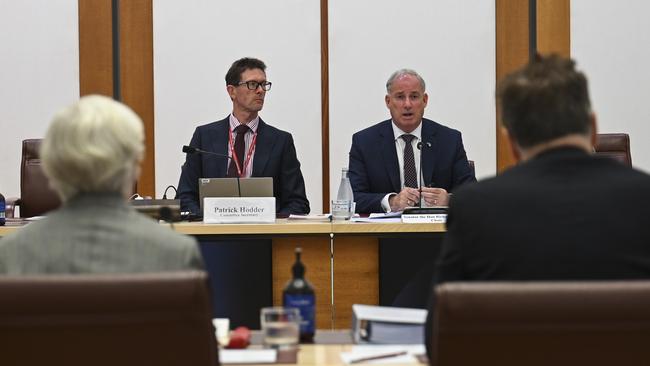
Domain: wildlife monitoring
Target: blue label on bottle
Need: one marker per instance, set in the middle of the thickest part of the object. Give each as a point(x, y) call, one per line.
point(306, 305)
point(2, 212)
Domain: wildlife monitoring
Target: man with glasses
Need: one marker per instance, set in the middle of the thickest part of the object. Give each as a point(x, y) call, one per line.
point(240, 271)
point(255, 148)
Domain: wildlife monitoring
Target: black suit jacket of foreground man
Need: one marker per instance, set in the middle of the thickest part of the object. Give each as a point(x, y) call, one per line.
point(564, 215)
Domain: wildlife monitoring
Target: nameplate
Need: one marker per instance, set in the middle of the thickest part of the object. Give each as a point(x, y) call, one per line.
point(238, 210)
point(424, 218)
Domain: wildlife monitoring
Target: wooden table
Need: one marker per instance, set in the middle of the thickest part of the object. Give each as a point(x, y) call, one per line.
point(325, 352)
point(341, 257)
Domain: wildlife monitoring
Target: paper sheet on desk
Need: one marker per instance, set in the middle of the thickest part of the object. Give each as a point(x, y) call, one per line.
point(247, 356)
point(364, 351)
point(380, 217)
point(312, 217)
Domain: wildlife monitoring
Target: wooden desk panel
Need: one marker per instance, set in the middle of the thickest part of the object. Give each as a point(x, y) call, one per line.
point(356, 276)
point(316, 258)
point(348, 270)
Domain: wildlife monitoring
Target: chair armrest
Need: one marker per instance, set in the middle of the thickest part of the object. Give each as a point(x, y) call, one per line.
point(10, 206)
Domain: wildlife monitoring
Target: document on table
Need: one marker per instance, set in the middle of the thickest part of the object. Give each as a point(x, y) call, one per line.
point(312, 217)
point(380, 217)
point(402, 354)
point(245, 356)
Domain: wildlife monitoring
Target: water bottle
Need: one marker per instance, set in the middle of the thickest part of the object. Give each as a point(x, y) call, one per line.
point(342, 206)
point(2, 210)
point(299, 293)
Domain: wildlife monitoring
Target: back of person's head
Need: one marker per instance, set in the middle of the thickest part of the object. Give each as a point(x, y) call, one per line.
point(545, 100)
point(233, 76)
point(94, 145)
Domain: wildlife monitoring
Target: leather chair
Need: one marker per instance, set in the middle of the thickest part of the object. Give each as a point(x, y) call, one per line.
point(614, 145)
point(545, 323)
point(107, 319)
point(36, 196)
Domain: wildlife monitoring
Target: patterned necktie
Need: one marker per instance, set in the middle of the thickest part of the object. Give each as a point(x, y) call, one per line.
point(240, 146)
point(410, 174)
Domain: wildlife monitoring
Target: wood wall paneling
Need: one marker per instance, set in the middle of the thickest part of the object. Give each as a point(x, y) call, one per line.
point(554, 27)
point(512, 48)
point(325, 103)
point(95, 48)
point(136, 66)
point(511, 53)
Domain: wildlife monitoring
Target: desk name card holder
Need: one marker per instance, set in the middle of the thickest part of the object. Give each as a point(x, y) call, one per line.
point(238, 210)
point(429, 215)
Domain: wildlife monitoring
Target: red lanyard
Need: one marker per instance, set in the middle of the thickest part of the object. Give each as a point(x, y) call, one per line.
point(241, 170)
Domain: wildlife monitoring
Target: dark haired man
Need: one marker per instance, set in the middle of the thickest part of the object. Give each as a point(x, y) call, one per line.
point(266, 151)
point(562, 213)
point(241, 272)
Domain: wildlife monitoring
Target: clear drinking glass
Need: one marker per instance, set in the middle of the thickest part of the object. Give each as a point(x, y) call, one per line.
point(341, 209)
point(280, 327)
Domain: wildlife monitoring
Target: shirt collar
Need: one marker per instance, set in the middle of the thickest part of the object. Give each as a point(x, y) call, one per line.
point(234, 122)
point(397, 132)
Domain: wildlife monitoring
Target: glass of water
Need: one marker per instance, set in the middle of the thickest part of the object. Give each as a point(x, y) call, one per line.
point(280, 327)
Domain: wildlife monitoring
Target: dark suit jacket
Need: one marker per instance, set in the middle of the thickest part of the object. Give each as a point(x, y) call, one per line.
point(565, 215)
point(374, 169)
point(275, 156)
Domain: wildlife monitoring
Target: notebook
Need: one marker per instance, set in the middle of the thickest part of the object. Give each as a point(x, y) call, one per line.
point(229, 187)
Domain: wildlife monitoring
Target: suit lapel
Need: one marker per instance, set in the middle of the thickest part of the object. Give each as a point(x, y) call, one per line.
point(428, 153)
point(263, 148)
point(219, 139)
point(389, 155)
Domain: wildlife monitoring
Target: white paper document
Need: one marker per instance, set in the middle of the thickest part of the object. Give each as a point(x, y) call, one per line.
point(312, 217)
point(393, 354)
point(380, 217)
point(244, 356)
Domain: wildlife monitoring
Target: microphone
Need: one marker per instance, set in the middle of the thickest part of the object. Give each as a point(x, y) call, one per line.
point(421, 145)
point(195, 150)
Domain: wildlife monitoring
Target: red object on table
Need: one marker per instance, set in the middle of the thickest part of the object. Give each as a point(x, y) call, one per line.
point(239, 338)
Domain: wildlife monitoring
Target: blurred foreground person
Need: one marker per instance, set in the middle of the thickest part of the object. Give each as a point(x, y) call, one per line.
point(91, 155)
point(562, 213)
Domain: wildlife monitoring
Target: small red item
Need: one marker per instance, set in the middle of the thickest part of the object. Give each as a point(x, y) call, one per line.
point(239, 338)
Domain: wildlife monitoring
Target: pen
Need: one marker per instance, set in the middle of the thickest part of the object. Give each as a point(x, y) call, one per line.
point(378, 357)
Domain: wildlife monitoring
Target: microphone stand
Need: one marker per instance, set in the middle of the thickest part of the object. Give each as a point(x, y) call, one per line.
point(420, 147)
point(420, 210)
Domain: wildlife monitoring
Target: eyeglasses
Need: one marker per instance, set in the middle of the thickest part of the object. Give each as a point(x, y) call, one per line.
point(253, 85)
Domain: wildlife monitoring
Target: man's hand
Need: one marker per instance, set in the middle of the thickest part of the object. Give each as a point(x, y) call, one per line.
point(408, 197)
point(435, 196)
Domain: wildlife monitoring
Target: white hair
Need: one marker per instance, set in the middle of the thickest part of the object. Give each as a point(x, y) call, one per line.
point(94, 145)
point(399, 73)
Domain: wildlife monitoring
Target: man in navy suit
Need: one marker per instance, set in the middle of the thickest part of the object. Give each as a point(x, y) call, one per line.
point(241, 270)
point(561, 213)
point(385, 177)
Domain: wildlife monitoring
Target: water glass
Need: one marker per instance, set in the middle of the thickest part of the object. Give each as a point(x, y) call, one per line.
point(341, 209)
point(280, 327)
